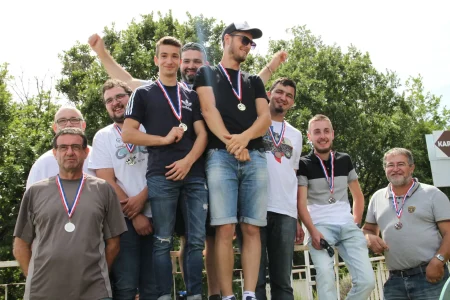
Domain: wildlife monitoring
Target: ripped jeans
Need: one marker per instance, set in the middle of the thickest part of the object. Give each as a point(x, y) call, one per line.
point(163, 196)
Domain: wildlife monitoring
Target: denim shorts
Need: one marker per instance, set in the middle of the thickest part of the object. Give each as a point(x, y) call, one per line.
point(237, 189)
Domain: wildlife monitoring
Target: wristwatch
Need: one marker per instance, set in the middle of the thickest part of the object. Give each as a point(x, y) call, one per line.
point(440, 257)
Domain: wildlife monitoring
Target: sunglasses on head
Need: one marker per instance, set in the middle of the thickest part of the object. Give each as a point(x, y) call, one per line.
point(327, 247)
point(245, 40)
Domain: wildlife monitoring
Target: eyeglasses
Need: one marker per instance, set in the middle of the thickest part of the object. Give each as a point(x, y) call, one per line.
point(65, 148)
point(399, 165)
point(73, 121)
point(327, 247)
point(117, 97)
point(245, 40)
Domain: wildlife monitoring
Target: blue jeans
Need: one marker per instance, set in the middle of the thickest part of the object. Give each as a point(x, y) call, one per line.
point(352, 247)
point(277, 246)
point(237, 187)
point(164, 195)
point(132, 268)
point(414, 287)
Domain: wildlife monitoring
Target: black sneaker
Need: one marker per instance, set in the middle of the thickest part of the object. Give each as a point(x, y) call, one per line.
point(250, 298)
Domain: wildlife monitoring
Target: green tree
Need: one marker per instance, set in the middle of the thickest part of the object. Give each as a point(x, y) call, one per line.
point(25, 132)
point(134, 49)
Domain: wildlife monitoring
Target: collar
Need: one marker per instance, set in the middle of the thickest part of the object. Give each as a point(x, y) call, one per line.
point(411, 192)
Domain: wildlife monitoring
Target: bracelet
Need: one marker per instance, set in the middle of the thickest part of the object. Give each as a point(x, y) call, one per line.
point(268, 68)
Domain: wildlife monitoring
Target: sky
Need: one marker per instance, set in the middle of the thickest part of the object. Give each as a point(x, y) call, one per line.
point(409, 37)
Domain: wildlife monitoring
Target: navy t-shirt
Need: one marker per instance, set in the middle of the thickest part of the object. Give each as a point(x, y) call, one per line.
point(149, 106)
point(235, 121)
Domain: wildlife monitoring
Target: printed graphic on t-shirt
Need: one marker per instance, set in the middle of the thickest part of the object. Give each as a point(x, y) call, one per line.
point(122, 152)
point(285, 149)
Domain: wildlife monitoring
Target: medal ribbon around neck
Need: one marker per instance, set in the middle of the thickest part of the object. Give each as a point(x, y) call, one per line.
point(398, 211)
point(330, 180)
point(130, 147)
point(281, 136)
point(176, 113)
point(237, 93)
point(62, 194)
point(186, 85)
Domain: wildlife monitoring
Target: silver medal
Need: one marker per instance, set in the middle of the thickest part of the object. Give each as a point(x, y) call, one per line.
point(241, 107)
point(131, 161)
point(331, 200)
point(184, 126)
point(69, 227)
point(398, 225)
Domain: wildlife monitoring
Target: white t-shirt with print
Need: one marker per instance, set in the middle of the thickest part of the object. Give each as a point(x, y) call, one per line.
point(282, 161)
point(46, 166)
point(109, 151)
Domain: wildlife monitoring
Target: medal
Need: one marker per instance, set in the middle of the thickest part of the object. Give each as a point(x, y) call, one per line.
point(131, 161)
point(130, 147)
point(398, 225)
point(176, 113)
point(280, 136)
point(184, 126)
point(330, 179)
point(70, 227)
point(238, 92)
point(399, 211)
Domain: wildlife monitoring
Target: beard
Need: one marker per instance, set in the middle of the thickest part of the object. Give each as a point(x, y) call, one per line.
point(324, 150)
point(236, 56)
point(399, 181)
point(279, 110)
point(188, 78)
point(116, 117)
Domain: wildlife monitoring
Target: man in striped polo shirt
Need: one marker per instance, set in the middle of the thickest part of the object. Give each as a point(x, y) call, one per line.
point(324, 177)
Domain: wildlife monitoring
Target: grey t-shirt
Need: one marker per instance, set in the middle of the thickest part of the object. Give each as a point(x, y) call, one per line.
point(419, 238)
point(69, 265)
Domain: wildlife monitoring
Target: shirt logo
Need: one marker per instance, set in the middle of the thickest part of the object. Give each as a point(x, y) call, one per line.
point(186, 104)
point(411, 209)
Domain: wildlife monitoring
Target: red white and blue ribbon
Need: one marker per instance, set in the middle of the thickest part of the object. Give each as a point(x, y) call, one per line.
point(399, 211)
point(130, 147)
point(70, 209)
point(238, 92)
point(330, 179)
point(185, 84)
point(176, 113)
point(281, 136)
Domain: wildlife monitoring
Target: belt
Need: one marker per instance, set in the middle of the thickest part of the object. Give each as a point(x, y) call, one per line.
point(409, 272)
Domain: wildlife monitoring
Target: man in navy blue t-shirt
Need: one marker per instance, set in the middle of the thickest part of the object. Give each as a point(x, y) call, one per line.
point(175, 138)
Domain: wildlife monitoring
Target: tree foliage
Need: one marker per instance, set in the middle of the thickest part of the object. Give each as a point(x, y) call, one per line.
point(371, 111)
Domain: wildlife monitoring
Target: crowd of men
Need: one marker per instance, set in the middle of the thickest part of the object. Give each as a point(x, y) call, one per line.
point(206, 158)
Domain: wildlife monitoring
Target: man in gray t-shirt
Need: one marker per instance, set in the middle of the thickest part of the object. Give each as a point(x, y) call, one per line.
point(414, 219)
point(68, 228)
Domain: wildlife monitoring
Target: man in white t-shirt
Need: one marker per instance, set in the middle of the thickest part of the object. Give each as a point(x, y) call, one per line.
point(124, 166)
point(46, 166)
point(283, 147)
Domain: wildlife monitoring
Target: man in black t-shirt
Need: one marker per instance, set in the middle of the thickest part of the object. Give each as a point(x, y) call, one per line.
point(234, 105)
point(175, 138)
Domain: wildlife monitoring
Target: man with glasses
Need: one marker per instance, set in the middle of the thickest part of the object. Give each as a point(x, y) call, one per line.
point(234, 105)
point(124, 166)
point(68, 228)
point(414, 221)
point(46, 166)
point(324, 177)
